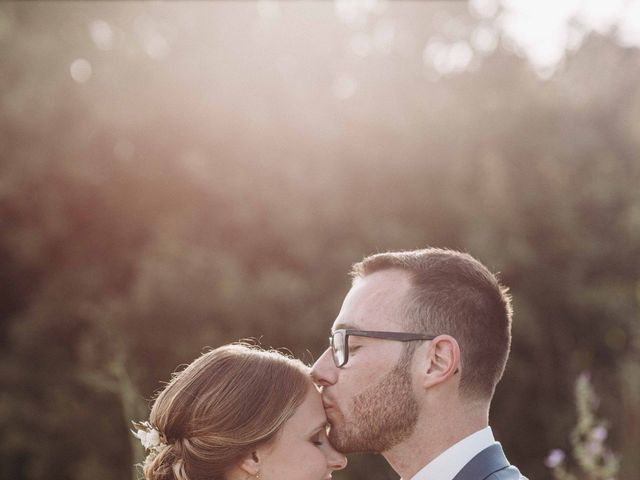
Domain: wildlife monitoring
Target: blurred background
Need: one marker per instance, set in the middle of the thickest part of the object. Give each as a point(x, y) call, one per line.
point(181, 175)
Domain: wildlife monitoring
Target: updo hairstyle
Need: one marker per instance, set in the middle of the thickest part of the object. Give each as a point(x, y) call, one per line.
point(220, 408)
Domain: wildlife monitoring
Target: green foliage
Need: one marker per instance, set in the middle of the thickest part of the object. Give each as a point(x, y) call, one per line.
point(593, 459)
point(222, 192)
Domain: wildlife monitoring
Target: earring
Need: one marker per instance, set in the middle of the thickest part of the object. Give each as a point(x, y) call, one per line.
point(258, 475)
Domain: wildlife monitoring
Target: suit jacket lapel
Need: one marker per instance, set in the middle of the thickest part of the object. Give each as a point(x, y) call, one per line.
point(488, 461)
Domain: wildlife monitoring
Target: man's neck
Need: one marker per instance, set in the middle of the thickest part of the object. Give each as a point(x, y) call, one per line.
point(428, 440)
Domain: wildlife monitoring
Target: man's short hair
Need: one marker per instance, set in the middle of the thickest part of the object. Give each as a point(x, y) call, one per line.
point(453, 293)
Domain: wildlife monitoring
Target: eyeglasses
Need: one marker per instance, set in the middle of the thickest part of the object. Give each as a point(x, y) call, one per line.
point(339, 341)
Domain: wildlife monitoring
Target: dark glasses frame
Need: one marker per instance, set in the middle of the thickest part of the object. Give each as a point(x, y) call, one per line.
point(346, 333)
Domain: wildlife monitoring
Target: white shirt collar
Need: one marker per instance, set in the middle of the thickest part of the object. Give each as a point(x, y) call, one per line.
point(447, 465)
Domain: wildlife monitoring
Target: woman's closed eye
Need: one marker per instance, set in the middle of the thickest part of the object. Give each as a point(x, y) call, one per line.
point(318, 439)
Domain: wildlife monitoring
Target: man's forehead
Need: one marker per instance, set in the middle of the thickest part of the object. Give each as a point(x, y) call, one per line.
point(374, 301)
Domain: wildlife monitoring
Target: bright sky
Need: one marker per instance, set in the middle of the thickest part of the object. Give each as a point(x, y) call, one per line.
point(541, 30)
point(545, 29)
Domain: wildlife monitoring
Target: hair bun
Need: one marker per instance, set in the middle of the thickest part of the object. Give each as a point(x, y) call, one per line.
point(161, 464)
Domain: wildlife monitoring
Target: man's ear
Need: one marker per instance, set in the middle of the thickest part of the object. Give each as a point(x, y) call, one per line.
point(443, 360)
point(250, 463)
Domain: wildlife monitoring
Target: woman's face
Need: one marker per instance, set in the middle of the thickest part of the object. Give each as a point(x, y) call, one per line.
point(301, 450)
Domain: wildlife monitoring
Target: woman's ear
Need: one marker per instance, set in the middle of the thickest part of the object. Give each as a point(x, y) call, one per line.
point(250, 463)
point(443, 360)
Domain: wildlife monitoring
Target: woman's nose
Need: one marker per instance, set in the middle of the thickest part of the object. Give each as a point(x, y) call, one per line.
point(337, 461)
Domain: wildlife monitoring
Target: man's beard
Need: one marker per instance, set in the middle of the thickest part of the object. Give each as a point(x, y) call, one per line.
point(382, 416)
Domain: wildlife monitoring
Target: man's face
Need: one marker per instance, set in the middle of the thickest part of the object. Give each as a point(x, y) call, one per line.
point(370, 402)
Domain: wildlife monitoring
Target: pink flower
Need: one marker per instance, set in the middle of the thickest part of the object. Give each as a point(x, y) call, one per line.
point(599, 434)
point(555, 458)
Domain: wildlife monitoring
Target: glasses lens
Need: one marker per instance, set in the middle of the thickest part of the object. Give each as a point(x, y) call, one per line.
point(338, 348)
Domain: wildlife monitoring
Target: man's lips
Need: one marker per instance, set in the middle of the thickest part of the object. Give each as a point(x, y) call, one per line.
point(327, 403)
point(330, 410)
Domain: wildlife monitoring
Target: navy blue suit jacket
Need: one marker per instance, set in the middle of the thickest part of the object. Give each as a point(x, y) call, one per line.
point(490, 464)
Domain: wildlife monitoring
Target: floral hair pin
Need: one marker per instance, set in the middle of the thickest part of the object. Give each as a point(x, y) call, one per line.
point(148, 435)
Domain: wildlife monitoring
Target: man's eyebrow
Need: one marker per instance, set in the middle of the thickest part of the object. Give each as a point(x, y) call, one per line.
point(343, 326)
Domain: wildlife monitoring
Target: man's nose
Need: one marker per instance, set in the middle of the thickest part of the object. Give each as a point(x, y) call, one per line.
point(324, 370)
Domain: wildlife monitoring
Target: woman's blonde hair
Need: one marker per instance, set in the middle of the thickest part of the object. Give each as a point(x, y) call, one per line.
point(220, 408)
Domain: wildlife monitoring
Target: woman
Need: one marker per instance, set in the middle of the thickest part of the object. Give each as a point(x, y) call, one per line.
point(238, 412)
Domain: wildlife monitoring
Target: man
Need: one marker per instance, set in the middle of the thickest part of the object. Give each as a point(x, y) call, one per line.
point(417, 349)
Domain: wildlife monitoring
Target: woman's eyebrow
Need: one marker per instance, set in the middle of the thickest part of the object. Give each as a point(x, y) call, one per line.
point(322, 426)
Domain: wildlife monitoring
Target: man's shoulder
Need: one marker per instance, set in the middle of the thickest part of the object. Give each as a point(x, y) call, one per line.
point(490, 464)
point(508, 473)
